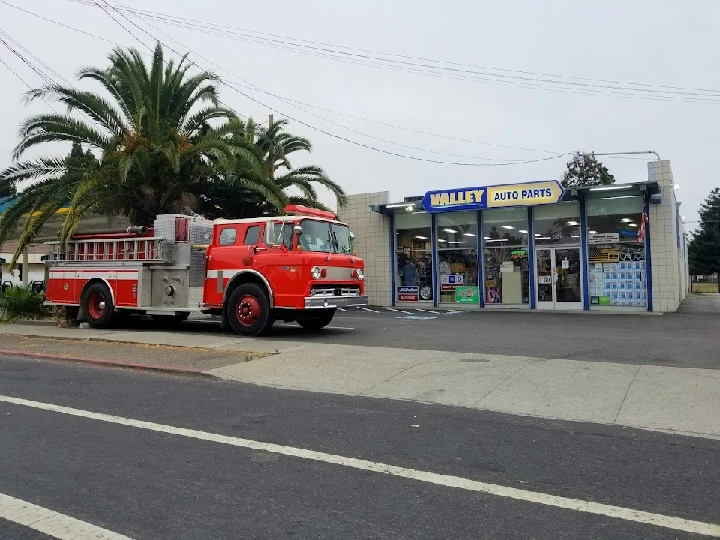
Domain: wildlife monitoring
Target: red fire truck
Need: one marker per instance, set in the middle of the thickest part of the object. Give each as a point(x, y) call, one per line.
point(298, 267)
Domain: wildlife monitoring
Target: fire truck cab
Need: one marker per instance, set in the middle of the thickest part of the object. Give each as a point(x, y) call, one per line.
point(297, 267)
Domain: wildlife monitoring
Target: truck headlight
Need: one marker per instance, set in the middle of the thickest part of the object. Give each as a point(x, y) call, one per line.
point(315, 272)
point(359, 274)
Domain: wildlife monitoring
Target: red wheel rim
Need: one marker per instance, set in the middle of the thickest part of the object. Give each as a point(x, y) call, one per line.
point(96, 305)
point(247, 310)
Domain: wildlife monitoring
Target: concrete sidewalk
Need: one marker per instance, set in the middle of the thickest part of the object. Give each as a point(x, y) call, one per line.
point(676, 400)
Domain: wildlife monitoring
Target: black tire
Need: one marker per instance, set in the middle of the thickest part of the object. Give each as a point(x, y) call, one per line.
point(98, 306)
point(321, 320)
point(248, 310)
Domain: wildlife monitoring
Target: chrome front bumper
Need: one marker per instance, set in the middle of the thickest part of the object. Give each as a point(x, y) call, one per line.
point(325, 302)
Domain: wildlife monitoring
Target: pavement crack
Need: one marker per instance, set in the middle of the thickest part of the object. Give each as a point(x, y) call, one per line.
point(389, 378)
point(626, 394)
point(498, 385)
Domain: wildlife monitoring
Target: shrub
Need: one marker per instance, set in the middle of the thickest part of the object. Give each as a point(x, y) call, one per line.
point(21, 303)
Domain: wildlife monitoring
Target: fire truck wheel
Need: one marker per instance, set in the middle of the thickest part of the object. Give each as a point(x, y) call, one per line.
point(99, 308)
point(248, 310)
point(321, 320)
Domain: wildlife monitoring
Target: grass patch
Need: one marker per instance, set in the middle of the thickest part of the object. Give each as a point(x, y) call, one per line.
point(704, 287)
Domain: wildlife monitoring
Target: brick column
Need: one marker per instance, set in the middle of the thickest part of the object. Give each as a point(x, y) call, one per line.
point(666, 278)
point(372, 243)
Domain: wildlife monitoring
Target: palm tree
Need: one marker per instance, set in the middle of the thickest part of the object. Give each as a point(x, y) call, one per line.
point(276, 145)
point(162, 140)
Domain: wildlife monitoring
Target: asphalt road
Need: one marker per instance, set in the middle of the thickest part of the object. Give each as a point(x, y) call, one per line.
point(678, 339)
point(149, 484)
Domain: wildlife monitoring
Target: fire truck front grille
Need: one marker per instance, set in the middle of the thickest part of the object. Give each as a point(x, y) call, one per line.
point(339, 290)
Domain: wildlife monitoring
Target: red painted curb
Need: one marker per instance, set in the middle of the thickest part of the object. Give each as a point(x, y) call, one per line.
point(108, 363)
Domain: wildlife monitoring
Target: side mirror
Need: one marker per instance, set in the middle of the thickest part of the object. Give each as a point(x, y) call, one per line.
point(297, 229)
point(352, 235)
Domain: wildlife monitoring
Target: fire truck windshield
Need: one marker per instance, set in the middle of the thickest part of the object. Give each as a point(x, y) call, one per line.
point(325, 237)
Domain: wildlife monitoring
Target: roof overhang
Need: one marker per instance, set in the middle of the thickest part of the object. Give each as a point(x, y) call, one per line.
point(413, 205)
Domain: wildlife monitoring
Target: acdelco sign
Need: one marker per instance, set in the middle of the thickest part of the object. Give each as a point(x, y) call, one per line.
point(481, 198)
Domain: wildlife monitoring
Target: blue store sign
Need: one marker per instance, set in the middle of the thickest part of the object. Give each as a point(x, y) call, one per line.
point(480, 198)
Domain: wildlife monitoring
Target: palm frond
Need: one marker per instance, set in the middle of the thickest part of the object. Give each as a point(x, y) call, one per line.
point(54, 127)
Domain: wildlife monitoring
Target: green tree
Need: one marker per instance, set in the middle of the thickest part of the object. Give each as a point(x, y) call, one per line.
point(585, 170)
point(6, 191)
point(276, 145)
point(704, 248)
point(161, 138)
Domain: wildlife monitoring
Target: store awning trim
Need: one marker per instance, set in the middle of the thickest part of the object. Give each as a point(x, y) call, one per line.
point(414, 205)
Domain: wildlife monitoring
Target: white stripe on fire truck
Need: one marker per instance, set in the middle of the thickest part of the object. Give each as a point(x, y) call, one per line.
point(122, 275)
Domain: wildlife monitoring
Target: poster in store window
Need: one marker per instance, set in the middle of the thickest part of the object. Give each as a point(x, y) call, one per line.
point(408, 294)
point(467, 295)
point(448, 283)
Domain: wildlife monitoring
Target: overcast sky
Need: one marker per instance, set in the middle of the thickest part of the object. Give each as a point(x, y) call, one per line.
point(643, 41)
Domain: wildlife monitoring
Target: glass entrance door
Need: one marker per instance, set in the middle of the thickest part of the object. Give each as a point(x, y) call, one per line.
point(558, 275)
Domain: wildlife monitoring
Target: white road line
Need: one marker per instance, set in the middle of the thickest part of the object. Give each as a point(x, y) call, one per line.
point(418, 309)
point(406, 312)
point(391, 309)
point(339, 327)
point(435, 312)
point(50, 522)
point(368, 309)
point(342, 309)
point(578, 505)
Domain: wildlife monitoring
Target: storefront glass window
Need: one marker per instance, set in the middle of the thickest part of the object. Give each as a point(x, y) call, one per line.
point(457, 257)
point(413, 258)
point(616, 259)
point(557, 223)
point(505, 256)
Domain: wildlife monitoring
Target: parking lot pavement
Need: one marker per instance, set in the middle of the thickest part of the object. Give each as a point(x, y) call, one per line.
point(675, 340)
point(678, 339)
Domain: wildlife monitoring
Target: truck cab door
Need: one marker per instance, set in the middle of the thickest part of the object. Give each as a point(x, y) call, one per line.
point(222, 261)
point(279, 263)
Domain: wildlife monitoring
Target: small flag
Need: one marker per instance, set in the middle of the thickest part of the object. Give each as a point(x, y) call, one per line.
point(641, 230)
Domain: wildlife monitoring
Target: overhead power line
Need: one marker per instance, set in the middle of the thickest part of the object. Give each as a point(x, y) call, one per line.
point(351, 141)
point(433, 67)
point(11, 70)
point(247, 84)
point(345, 139)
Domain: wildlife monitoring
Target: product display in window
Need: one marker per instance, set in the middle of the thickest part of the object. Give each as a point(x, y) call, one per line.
point(414, 276)
point(458, 269)
point(618, 284)
point(507, 276)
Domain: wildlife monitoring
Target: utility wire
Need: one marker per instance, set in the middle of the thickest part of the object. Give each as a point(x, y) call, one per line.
point(32, 66)
point(11, 70)
point(367, 56)
point(251, 86)
point(448, 137)
point(340, 137)
point(27, 51)
point(510, 162)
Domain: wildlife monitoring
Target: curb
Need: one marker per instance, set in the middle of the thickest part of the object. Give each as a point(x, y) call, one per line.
point(108, 363)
